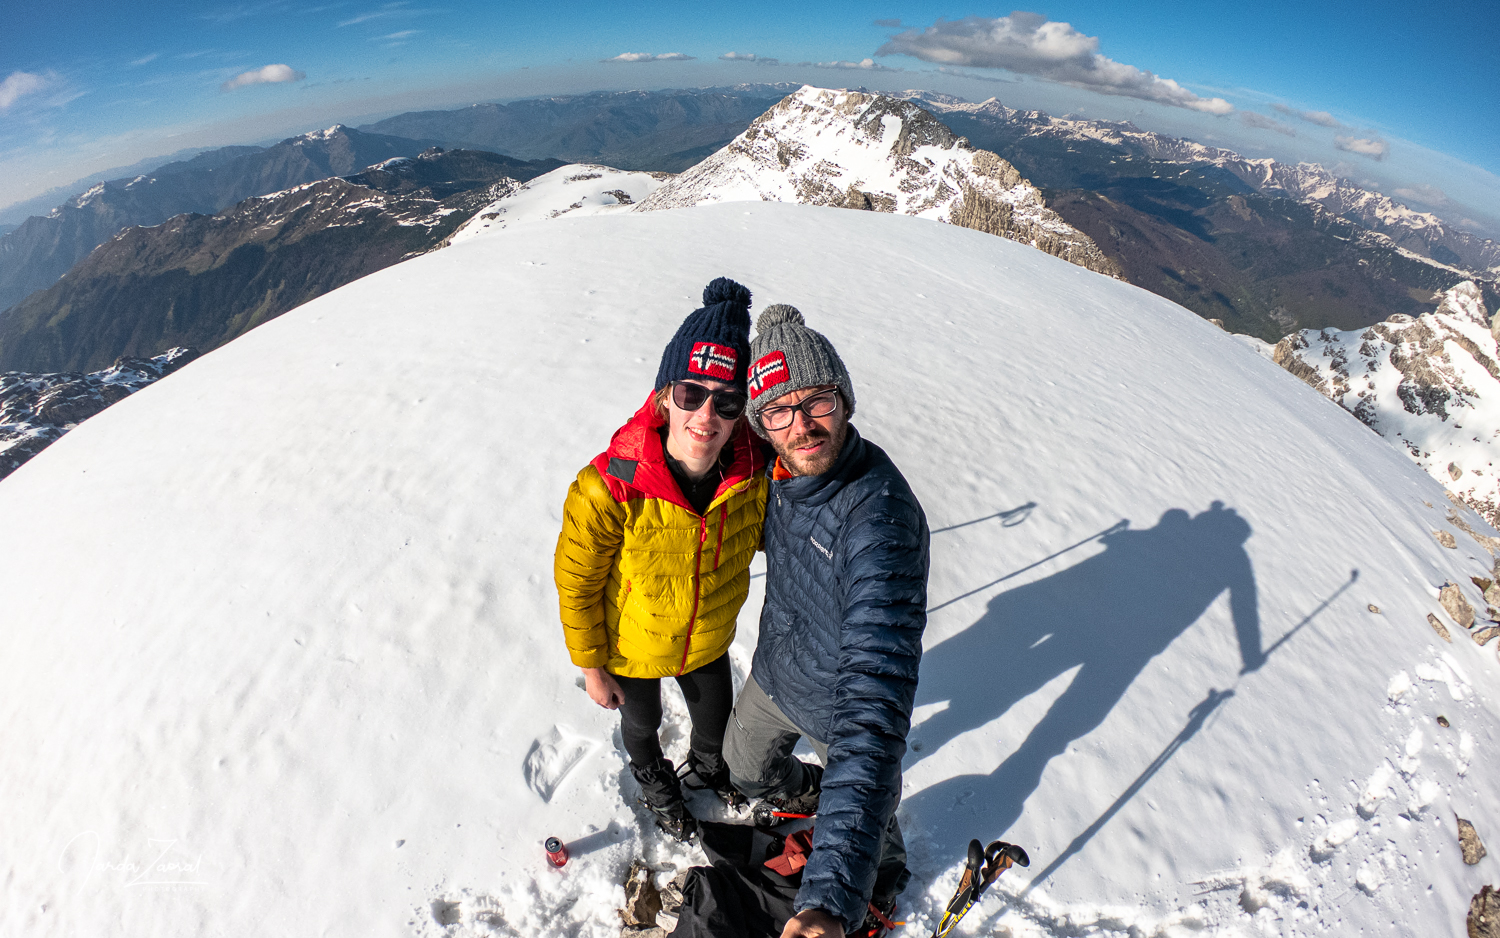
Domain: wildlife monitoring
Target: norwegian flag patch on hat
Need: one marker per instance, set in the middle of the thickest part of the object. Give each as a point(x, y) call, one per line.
point(770, 371)
point(715, 361)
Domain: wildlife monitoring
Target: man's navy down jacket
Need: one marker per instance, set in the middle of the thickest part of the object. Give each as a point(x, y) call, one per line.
point(840, 642)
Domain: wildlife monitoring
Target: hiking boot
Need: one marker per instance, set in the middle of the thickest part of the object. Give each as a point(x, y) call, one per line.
point(712, 773)
point(802, 803)
point(662, 796)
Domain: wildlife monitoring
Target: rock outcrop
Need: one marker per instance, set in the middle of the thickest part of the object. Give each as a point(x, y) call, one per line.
point(1429, 384)
point(36, 409)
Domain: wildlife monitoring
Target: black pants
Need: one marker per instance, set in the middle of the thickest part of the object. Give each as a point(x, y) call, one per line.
point(709, 691)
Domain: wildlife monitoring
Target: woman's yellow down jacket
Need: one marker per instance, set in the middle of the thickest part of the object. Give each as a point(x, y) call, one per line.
point(646, 586)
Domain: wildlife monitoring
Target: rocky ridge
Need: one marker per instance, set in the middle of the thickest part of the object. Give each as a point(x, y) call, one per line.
point(855, 150)
point(1429, 384)
point(1422, 233)
point(201, 280)
point(36, 409)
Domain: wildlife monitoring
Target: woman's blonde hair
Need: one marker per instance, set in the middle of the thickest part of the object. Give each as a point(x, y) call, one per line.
point(659, 401)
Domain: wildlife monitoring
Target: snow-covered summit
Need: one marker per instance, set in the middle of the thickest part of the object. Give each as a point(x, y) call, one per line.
point(574, 190)
point(1430, 385)
point(314, 136)
point(866, 151)
point(281, 643)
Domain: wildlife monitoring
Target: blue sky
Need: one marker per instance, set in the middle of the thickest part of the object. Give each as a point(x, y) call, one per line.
point(1396, 95)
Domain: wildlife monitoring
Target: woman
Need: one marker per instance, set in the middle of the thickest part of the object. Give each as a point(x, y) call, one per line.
point(653, 561)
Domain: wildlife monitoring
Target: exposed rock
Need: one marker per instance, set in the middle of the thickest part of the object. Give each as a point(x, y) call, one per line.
point(1485, 635)
point(37, 409)
point(1484, 914)
point(1439, 627)
point(1469, 842)
point(1430, 385)
point(1373, 608)
point(871, 152)
point(642, 900)
point(1446, 539)
point(1452, 599)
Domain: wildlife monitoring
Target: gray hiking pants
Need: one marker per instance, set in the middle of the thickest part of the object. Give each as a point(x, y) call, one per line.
point(758, 747)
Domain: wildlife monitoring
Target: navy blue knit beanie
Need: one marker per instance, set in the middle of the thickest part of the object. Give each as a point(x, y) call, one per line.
point(712, 342)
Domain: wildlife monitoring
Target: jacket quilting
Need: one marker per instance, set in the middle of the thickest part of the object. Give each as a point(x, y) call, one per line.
point(839, 649)
point(646, 586)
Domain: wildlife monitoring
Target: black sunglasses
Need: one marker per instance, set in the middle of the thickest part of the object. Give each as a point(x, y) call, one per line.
point(689, 397)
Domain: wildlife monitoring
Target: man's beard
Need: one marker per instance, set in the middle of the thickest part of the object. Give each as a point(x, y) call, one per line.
point(821, 461)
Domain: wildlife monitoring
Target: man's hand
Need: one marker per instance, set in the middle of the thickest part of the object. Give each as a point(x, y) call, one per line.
point(603, 689)
point(813, 923)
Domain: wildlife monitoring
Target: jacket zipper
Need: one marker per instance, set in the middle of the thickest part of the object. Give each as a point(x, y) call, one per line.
point(693, 619)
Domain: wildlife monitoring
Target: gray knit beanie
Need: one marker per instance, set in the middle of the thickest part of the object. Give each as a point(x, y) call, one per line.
point(787, 356)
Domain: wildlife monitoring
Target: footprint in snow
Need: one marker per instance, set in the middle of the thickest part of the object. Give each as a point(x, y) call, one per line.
point(553, 755)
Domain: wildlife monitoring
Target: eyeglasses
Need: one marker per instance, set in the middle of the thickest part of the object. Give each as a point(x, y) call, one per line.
point(819, 405)
point(689, 397)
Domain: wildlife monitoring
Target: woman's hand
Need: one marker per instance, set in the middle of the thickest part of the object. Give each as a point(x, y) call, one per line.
point(603, 689)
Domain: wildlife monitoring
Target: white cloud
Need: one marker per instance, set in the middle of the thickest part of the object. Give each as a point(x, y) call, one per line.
point(1424, 193)
point(749, 57)
point(145, 58)
point(1252, 119)
point(403, 34)
point(1030, 44)
point(270, 74)
point(18, 85)
point(1321, 118)
point(649, 57)
point(974, 76)
point(1375, 149)
point(868, 65)
point(388, 10)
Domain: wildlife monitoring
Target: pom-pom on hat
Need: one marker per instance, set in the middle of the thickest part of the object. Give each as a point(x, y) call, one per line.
point(786, 356)
point(713, 341)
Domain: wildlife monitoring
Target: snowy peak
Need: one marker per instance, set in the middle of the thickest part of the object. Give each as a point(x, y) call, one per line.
point(1429, 384)
point(866, 151)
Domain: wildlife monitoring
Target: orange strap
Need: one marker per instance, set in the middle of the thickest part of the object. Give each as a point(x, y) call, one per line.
point(794, 854)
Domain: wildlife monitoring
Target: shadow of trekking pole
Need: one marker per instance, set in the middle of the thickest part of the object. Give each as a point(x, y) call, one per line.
point(1197, 717)
point(1118, 526)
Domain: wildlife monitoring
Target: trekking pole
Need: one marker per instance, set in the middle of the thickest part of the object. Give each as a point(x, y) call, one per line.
point(983, 866)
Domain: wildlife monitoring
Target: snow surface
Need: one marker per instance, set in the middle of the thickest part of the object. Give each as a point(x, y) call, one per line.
point(283, 655)
point(576, 189)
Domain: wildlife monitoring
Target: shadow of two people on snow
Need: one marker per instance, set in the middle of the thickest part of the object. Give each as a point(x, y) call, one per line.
point(1108, 616)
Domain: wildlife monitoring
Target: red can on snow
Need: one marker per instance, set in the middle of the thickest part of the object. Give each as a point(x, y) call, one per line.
point(557, 851)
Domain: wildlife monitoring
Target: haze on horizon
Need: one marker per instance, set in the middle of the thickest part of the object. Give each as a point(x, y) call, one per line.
point(1395, 99)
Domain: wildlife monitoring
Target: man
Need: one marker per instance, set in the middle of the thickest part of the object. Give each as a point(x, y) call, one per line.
point(840, 633)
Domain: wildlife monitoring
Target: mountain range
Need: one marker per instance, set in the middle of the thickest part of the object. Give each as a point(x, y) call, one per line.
point(1265, 246)
point(658, 131)
point(43, 248)
point(201, 280)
